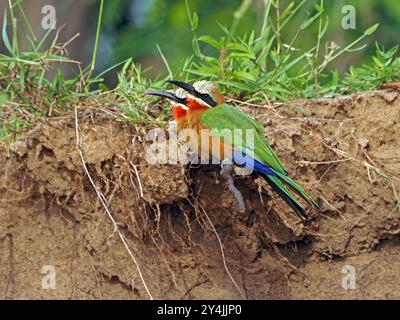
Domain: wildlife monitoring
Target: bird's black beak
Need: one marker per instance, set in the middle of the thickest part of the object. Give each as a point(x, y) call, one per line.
point(168, 95)
point(185, 86)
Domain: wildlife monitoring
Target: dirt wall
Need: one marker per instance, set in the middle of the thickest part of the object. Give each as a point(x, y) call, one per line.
point(345, 151)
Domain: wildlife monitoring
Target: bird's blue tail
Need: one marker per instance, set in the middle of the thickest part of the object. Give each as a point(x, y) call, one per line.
point(281, 184)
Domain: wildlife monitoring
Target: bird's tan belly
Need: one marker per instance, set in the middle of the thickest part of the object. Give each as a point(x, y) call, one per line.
point(210, 148)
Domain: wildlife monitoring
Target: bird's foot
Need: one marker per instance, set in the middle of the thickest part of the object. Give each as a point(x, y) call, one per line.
point(227, 168)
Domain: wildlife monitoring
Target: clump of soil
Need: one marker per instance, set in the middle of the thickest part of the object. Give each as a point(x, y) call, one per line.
point(345, 151)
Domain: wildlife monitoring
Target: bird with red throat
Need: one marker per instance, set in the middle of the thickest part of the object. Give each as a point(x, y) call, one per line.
point(203, 107)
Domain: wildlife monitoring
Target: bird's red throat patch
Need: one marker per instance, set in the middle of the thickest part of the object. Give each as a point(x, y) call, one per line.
point(192, 104)
point(178, 112)
point(195, 105)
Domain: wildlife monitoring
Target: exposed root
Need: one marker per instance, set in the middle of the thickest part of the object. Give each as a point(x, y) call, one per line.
point(104, 203)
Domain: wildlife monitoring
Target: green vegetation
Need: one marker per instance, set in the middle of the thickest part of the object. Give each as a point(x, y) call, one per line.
point(253, 66)
point(385, 67)
point(256, 64)
point(136, 25)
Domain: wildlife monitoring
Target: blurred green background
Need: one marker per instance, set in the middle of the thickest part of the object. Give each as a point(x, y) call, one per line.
point(132, 28)
point(135, 26)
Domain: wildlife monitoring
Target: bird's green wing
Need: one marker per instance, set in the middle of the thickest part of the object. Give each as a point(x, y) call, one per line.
point(224, 116)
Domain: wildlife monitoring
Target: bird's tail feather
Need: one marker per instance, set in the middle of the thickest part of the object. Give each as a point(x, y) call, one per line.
point(283, 185)
point(297, 189)
point(286, 195)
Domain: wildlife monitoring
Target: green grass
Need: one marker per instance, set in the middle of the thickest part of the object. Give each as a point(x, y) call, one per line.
point(384, 68)
point(28, 91)
point(249, 67)
point(262, 62)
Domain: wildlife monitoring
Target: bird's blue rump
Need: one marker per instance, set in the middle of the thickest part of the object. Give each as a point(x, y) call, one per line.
point(245, 161)
point(275, 180)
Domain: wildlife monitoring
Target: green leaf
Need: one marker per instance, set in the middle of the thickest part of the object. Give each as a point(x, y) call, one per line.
point(210, 70)
point(391, 52)
point(242, 55)
point(237, 84)
point(244, 75)
point(310, 20)
point(195, 21)
point(210, 41)
point(4, 33)
point(324, 29)
point(377, 62)
point(358, 48)
point(236, 46)
point(202, 74)
point(371, 30)
point(6, 59)
point(288, 11)
point(165, 61)
point(196, 48)
point(103, 87)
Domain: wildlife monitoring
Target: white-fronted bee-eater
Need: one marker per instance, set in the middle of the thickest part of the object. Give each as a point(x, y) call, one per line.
point(203, 107)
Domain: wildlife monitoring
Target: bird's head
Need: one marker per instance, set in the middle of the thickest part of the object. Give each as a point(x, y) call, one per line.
point(203, 92)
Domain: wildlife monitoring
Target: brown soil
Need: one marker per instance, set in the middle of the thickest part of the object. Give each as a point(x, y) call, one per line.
point(50, 213)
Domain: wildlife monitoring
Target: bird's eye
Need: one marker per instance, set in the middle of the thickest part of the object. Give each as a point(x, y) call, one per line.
point(207, 99)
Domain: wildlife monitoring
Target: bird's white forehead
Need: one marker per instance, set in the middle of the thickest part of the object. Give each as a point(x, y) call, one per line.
point(204, 86)
point(180, 93)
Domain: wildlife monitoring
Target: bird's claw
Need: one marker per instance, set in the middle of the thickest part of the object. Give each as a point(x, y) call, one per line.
point(226, 172)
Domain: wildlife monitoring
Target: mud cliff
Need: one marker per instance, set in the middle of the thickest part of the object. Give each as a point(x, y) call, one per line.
point(176, 231)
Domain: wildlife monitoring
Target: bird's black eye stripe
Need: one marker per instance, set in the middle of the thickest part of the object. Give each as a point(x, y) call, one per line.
point(208, 99)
